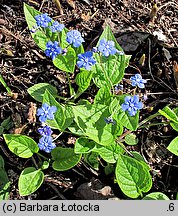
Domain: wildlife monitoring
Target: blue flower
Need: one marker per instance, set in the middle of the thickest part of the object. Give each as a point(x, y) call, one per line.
point(45, 131)
point(138, 81)
point(86, 60)
point(56, 27)
point(46, 112)
point(42, 20)
point(107, 47)
point(46, 144)
point(132, 104)
point(53, 49)
point(109, 120)
point(74, 37)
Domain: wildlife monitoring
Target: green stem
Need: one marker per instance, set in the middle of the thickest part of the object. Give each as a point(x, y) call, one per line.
point(70, 87)
point(154, 124)
point(148, 119)
point(5, 85)
point(42, 156)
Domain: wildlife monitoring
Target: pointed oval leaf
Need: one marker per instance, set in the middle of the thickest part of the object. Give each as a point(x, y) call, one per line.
point(83, 145)
point(37, 91)
point(103, 96)
point(91, 120)
point(21, 145)
point(131, 139)
point(30, 180)
point(132, 177)
point(64, 158)
point(109, 153)
point(173, 146)
point(156, 196)
point(83, 80)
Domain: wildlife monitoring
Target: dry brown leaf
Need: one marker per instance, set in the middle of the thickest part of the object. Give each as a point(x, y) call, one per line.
point(32, 113)
point(20, 130)
point(71, 3)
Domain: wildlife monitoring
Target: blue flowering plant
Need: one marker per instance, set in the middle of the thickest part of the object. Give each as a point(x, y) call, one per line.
point(103, 128)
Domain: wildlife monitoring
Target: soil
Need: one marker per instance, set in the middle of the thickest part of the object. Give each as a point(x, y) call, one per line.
point(140, 28)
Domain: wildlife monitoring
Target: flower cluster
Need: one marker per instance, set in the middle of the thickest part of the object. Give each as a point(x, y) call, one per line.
point(46, 142)
point(137, 80)
point(53, 49)
point(132, 104)
point(42, 20)
point(107, 47)
point(74, 37)
point(86, 60)
point(57, 27)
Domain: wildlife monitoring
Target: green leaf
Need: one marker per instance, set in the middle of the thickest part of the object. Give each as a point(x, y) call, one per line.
point(4, 181)
point(83, 145)
point(131, 139)
point(30, 180)
point(21, 145)
point(67, 62)
point(111, 70)
point(103, 96)
point(169, 114)
point(109, 168)
point(173, 146)
point(37, 91)
point(90, 119)
point(132, 176)
point(174, 125)
point(1, 162)
point(109, 153)
point(108, 35)
point(139, 157)
point(76, 130)
point(92, 159)
point(7, 123)
point(83, 80)
point(59, 118)
point(156, 196)
point(64, 158)
point(4, 185)
point(123, 118)
point(45, 165)
point(68, 116)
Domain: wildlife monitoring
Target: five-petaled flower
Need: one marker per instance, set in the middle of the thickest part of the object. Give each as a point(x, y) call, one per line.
point(132, 104)
point(42, 20)
point(74, 37)
point(46, 112)
point(138, 81)
point(56, 27)
point(45, 131)
point(53, 49)
point(86, 60)
point(46, 144)
point(107, 47)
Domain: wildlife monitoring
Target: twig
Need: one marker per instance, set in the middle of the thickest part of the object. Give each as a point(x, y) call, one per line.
point(58, 5)
point(57, 191)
